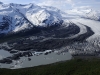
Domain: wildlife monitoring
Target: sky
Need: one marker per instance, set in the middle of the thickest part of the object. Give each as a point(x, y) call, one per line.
point(61, 4)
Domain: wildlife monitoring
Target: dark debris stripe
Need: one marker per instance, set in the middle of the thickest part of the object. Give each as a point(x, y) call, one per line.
point(53, 43)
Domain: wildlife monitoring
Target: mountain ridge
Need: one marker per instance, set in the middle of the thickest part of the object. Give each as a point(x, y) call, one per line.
point(27, 16)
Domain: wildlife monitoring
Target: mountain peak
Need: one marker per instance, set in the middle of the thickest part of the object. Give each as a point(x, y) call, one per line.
point(26, 16)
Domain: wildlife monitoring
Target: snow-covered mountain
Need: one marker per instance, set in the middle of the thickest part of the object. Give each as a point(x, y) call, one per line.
point(85, 13)
point(16, 17)
point(93, 15)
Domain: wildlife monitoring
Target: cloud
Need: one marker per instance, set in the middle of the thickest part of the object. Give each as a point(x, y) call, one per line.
point(4, 1)
point(62, 4)
point(82, 7)
point(17, 1)
point(70, 2)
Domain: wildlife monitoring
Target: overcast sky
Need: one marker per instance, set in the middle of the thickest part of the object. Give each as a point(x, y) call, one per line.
point(61, 4)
